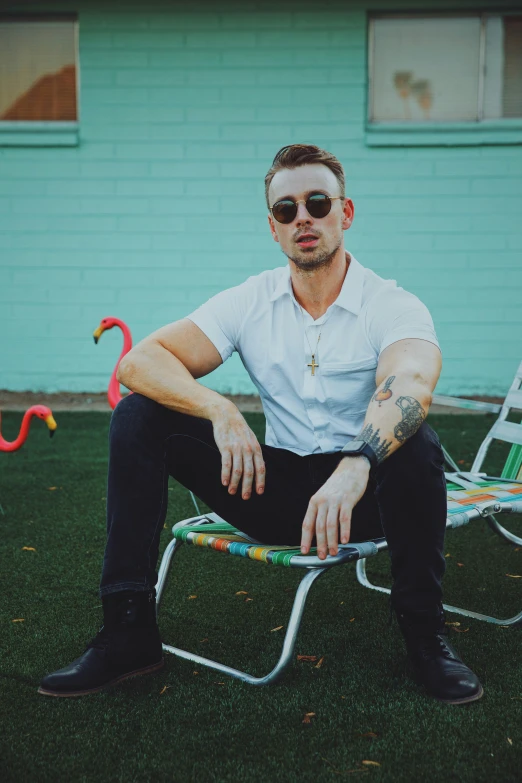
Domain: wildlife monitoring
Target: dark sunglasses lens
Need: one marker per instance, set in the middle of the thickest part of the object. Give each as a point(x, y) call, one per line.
point(318, 205)
point(284, 211)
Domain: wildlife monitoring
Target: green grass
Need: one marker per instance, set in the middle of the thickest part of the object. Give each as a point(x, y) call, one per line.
point(209, 727)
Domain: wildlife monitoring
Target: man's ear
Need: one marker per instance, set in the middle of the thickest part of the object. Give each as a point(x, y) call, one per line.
point(348, 211)
point(272, 227)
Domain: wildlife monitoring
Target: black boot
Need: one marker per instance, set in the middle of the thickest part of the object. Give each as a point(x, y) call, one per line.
point(127, 644)
point(435, 662)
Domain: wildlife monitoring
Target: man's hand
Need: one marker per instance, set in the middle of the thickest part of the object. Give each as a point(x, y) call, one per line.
point(241, 453)
point(332, 506)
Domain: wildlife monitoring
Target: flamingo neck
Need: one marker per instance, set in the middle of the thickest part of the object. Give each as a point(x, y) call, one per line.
point(114, 392)
point(127, 338)
point(13, 445)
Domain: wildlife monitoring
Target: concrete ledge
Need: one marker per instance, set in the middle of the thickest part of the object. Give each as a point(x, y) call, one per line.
point(97, 401)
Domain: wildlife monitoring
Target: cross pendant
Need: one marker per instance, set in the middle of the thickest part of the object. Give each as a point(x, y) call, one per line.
point(313, 365)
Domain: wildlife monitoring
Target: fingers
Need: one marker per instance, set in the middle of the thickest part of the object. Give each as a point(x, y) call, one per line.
point(314, 522)
point(308, 527)
point(345, 521)
point(253, 465)
point(241, 455)
point(226, 466)
point(318, 516)
point(332, 527)
point(237, 470)
point(245, 464)
point(320, 531)
point(260, 471)
point(248, 473)
point(324, 520)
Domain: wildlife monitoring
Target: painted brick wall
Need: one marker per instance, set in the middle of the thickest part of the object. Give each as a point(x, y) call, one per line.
point(161, 205)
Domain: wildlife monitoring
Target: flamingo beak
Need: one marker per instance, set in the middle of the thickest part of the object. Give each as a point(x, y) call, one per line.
point(97, 334)
point(49, 420)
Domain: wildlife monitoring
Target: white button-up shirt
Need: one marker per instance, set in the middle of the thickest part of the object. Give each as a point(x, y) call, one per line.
point(263, 322)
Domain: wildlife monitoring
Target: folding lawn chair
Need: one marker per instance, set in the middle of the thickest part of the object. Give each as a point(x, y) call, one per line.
point(512, 469)
point(470, 496)
point(470, 405)
point(473, 489)
point(211, 531)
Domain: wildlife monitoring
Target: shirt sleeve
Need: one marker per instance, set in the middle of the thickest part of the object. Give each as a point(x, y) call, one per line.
point(398, 315)
point(220, 318)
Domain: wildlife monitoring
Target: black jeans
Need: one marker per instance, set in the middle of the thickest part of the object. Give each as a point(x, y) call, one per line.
point(405, 500)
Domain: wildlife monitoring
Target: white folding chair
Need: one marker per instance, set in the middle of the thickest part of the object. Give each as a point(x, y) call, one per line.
point(476, 489)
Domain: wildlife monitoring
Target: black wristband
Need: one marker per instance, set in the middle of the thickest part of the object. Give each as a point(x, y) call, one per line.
point(359, 448)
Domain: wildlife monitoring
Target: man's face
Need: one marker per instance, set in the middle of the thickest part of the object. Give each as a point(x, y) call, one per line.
point(309, 242)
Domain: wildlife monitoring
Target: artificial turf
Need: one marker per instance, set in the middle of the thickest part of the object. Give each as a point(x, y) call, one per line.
point(189, 723)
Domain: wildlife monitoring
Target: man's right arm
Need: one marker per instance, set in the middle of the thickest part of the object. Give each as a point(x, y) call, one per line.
point(164, 367)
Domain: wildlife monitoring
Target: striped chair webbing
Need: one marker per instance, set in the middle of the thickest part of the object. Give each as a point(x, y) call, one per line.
point(225, 538)
point(465, 499)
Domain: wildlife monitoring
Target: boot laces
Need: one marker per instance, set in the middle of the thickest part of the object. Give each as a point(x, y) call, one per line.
point(429, 643)
point(434, 646)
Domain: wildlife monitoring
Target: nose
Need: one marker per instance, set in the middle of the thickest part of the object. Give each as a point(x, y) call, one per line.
point(303, 216)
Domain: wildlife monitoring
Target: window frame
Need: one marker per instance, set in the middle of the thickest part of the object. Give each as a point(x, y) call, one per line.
point(44, 133)
point(507, 130)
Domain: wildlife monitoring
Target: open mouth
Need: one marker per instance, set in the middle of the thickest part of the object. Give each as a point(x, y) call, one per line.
point(307, 240)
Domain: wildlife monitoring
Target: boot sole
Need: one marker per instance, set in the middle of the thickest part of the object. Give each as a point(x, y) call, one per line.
point(466, 700)
point(136, 672)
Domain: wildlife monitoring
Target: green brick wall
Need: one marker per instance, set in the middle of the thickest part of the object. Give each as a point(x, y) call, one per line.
point(161, 204)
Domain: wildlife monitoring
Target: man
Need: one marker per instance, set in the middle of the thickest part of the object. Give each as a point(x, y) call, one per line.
point(345, 363)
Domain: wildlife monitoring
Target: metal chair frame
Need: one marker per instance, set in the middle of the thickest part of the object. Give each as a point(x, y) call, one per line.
point(359, 553)
point(314, 568)
point(509, 432)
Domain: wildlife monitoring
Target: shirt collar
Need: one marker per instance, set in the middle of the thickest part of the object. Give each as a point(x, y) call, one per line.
point(350, 295)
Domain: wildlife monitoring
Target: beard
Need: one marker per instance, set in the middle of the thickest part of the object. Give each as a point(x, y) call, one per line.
point(308, 260)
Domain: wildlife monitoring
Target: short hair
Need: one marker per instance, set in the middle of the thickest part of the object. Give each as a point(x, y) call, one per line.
point(294, 155)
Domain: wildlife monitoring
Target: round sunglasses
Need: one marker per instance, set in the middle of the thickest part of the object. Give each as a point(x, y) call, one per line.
point(318, 205)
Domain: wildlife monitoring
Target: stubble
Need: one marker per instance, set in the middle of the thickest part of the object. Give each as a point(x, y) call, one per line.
point(308, 261)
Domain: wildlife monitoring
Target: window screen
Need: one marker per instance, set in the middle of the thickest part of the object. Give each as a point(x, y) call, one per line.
point(38, 67)
point(445, 69)
point(503, 67)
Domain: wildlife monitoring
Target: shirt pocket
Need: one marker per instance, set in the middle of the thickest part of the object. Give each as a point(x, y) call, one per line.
point(348, 386)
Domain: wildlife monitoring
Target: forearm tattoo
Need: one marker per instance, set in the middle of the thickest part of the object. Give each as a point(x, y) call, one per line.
point(412, 417)
point(380, 446)
point(385, 393)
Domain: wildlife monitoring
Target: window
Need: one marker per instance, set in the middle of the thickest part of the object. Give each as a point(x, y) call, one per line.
point(464, 68)
point(38, 76)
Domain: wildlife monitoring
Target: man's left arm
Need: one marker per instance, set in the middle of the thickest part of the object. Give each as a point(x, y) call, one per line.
point(407, 373)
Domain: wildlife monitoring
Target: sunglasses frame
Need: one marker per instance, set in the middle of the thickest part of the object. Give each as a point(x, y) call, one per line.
point(304, 201)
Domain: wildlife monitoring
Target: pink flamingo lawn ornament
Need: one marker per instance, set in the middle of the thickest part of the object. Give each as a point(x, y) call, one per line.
point(113, 393)
point(41, 412)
